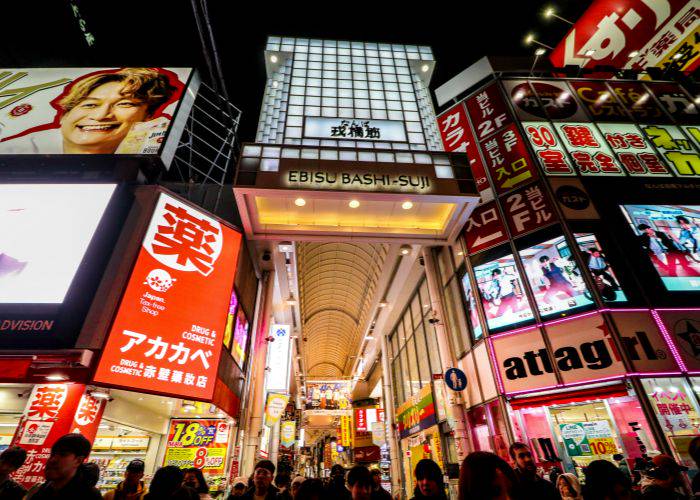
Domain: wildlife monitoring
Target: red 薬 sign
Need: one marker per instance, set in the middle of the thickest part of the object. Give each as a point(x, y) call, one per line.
point(484, 228)
point(167, 334)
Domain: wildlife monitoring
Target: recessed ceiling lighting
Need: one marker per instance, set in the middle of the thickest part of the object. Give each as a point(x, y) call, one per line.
point(405, 249)
point(300, 202)
point(56, 377)
point(354, 203)
point(382, 304)
point(425, 68)
point(407, 205)
point(273, 58)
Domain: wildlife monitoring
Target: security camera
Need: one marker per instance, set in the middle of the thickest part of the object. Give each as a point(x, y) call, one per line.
point(266, 256)
point(270, 339)
point(421, 260)
point(433, 319)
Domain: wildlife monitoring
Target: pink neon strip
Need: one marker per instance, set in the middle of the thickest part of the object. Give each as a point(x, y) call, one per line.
point(678, 309)
point(669, 340)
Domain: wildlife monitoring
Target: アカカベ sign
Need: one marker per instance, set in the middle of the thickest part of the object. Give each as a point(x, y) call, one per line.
point(168, 331)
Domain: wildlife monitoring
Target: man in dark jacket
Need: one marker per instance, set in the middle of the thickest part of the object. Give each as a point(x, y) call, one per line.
point(378, 493)
point(11, 459)
point(262, 482)
point(531, 484)
point(63, 480)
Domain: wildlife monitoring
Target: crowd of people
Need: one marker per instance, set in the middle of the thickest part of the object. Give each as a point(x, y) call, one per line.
point(482, 476)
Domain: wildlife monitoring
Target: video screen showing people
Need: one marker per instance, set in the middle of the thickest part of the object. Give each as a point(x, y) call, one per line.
point(230, 320)
point(602, 273)
point(502, 294)
point(240, 338)
point(670, 236)
point(473, 317)
point(555, 278)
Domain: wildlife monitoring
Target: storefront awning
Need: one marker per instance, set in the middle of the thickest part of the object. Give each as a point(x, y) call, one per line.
point(609, 391)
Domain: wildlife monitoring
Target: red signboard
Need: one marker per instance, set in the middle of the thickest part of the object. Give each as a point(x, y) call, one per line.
point(588, 149)
point(484, 228)
point(52, 411)
point(548, 148)
point(528, 209)
point(167, 334)
point(488, 111)
point(508, 160)
point(675, 101)
point(611, 29)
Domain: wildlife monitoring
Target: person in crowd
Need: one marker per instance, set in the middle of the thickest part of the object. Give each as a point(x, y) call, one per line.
point(531, 484)
point(360, 483)
point(569, 487)
point(336, 486)
point(619, 459)
point(554, 474)
point(90, 472)
point(296, 484)
point(63, 478)
point(262, 482)
point(664, 480)
point(11, 459)
point(194, 478)
point(430, 482)
point(132, 487)
point(282, 481)
point(486, 476)
point(312, 489)
point(167, 485)
point(694, 452)
point(378, 493)
point(604, 481)
point(238, 490)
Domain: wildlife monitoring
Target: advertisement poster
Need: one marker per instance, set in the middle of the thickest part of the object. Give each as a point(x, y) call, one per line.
point(50, 413)
point(527, 209)
point(638, 101)
point(88, 110)
point(597, 263)
point(555, 278)
point(288, 433)
point(417, 413)
point(274, 407)
point(670, 236)
point(473, 316)
point(674, 100)
point(502, 294)
point(508, 160)
point(588, 438)
point(484, 228)
point(168, 332)
point(199, 443)
point(523, 361)
point(633, 149)
point(488, 111)
point(601, 104)
point(46, 230)
point(558, 101)
point(230, 321)
point(684, 328)
point(589, 151)
point(328, 395)
point(240, 337)
point(278, 358)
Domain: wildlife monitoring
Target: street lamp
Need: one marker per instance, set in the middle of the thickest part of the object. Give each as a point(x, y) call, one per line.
point(530, 39)
point(549, 12)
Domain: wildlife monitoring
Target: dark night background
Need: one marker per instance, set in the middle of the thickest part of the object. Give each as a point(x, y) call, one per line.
point(164, 33)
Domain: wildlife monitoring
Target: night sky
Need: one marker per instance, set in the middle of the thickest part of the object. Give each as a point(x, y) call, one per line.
point(164, 33)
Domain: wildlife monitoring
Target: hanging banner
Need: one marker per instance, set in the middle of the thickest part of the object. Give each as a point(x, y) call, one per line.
point(50, 413)
point(200, 443)
point(274, 407)
point(346, 431)
point(168, 332)
point(278, 358)
point(378, 433)
point(287, 433)
point(88, 416)
point(328, 396)
point(417, 413)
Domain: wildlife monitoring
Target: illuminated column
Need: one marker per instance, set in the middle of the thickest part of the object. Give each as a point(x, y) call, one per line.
point(455, 408)
point(390, 417)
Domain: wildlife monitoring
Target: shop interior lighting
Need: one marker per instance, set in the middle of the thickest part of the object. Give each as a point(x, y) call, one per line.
point(407, 205)
point(405, 249)
point(354, 203)
point(275, 84)
point(300, 202)
point(273, 58)
point(460, 253)
point(100, 394)
point(632, 54)
point(188, 406)
point(56, 377)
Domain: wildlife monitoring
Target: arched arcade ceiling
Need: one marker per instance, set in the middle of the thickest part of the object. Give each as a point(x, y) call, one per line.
point(337, 283)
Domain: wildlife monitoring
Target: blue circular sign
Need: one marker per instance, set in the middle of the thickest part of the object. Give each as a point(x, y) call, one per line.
point(456, 379)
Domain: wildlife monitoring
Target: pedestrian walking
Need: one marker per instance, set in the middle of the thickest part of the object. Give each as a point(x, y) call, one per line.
point(378, 493)
point(262, 482)
point(194, 478)
point(569, 487)
point(296, 484)
point(486, 476)
point(336, 486)
point(664, 480)
point(430, 482)
point(312, 489)
point(360, 483)
point(531, 484)
point(167, 485)
point(604, 481)
point(11, 459)
point(132, 487)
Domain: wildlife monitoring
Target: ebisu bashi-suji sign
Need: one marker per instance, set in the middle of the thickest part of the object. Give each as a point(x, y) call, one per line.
point(168, 332)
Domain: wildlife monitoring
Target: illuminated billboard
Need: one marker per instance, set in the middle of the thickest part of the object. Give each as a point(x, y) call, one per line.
point(90, 110)
point(328, 395)
point(240, 338)
point(168, 332)
point(601, 271)
point(670, 236)
point(45, 230)
point(555, 278)
point(473, 315)
point(502, 293)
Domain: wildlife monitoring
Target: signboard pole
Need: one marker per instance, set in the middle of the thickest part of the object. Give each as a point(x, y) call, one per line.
point(390, 417)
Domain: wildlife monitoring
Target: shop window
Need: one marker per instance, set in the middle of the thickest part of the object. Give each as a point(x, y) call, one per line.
point(433, 348)
point(479, 428)
point(499, 430)
point(413, 365)
point(457, 323)
point(676, 409)
point(406, 374)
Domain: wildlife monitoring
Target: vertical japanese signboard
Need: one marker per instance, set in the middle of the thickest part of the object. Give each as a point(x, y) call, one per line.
point(200, 443)
point(484, 228)
point(588, 149)
point(168, 332)
point(527, 209)
point(277, 378)
point(52, 411)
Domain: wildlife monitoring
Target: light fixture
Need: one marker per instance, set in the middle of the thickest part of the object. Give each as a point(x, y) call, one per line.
point(405, 249)
point(286, 247)
point(100, 394)
point(300, 202)
point(658, 389)
point(425, 68)
point(369, 337)
point(634, 53)
point(529, 39)
point(188, 406)
point(56, 377)
point(673, 389)
point(540, 52)
point(460, 253)
point(275, 84)
point(291, 301)
point(407, 205)
point(354, 203)
point(549, 12)
point(382, 304)
point(589, 53)
point(273, 58)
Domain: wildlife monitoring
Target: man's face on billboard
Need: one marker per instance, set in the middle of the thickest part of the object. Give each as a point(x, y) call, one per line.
point(101, 121)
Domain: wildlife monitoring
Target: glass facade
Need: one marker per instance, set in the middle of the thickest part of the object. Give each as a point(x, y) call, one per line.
point(347, 80)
